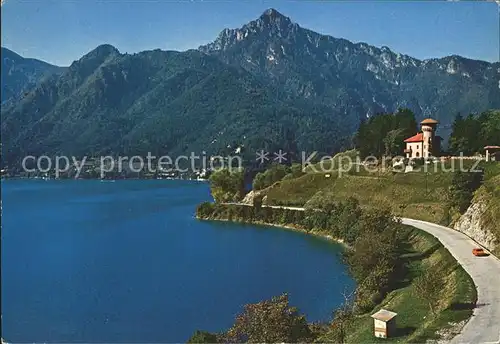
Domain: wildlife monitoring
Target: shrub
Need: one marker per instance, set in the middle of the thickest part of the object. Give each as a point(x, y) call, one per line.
point(272, 175)
point(270, 321)
point(203, 337)
point(462, 189)
point(227, 186)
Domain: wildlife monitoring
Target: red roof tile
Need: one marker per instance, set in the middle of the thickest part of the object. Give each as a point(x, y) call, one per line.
point(429, 121)
point(417, 138)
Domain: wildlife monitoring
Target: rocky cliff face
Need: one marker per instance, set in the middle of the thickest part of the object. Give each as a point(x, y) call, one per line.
point(481, 220)
point(472, 224)
point(249, 198)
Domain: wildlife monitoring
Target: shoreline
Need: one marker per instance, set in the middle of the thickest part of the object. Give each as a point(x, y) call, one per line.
point(103, 179)
point(326, 237)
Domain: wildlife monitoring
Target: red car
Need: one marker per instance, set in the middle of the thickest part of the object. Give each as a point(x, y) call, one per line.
point(479, 252)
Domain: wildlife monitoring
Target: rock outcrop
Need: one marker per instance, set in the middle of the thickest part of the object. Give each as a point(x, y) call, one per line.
point(248, 199)
point(481, 219)
point(471, 224)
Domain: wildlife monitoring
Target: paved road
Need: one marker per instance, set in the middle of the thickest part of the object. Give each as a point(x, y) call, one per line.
point(484, 325)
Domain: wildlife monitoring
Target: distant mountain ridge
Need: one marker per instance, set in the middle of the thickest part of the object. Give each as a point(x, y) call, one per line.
point(360, 78)
point(267, 85)
point(165, 102)
point(19, 74)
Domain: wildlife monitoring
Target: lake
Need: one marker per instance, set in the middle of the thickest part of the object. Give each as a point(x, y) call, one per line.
point(126, 261)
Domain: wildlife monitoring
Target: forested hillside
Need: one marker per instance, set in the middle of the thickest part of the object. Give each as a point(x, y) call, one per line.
point(163, 102)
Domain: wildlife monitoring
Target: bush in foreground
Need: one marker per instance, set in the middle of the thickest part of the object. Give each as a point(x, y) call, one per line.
point(203, 337)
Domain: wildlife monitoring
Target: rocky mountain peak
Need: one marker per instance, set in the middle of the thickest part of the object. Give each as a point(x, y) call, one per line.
point(271, 20)
point(271, 12)
point(103, 51)
point(96, 57)
point(271, 15)
point(270, 24)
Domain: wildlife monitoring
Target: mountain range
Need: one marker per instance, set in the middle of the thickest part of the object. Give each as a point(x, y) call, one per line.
point(20, 74)
point(270, 85)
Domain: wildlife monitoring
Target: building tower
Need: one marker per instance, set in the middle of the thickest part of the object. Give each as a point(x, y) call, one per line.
point(425, 143)
point(430, 144)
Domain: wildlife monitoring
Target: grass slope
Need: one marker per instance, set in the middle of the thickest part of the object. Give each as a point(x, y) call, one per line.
point(402, 193)
point(415, 324)
point(418, 195)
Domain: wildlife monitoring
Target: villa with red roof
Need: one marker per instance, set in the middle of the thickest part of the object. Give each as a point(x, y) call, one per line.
point(424, 144)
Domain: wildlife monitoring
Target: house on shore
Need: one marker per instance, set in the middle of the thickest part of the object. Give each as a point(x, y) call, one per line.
point(424, 144)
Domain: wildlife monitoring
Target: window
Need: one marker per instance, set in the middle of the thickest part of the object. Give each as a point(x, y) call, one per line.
point(418, 154)
point(417, 146)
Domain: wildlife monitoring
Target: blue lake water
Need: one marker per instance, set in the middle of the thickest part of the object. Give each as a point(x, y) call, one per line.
point(90, 261)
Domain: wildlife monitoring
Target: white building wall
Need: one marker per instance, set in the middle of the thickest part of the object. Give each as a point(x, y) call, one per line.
point(428, 133)
point(416, 147)
point(380, 329)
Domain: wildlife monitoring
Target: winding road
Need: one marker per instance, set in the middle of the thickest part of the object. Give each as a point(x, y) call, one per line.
point(484, 325)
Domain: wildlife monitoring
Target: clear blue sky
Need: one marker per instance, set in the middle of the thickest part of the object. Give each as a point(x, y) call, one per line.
point(62, 31)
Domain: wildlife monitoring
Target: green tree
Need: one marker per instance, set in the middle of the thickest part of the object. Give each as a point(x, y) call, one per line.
point(203, 337)
point(385, 133)
point(370, 250)
point(270, 176)
point(393, 140)
point(490, 128)
point(406, 124)
point(457, 141)
point(342, 318)
point(347, 220)
point(462, 189)
point(227, 186)
point(270, 321)
point(204, 209)
point(427, 287)
point(371, 290)
point(465, 137)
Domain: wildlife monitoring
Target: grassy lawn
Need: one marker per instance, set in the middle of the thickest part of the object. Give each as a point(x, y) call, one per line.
point(415, 323)
point(299, 190)
point(416, 195)
point(411, 194)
